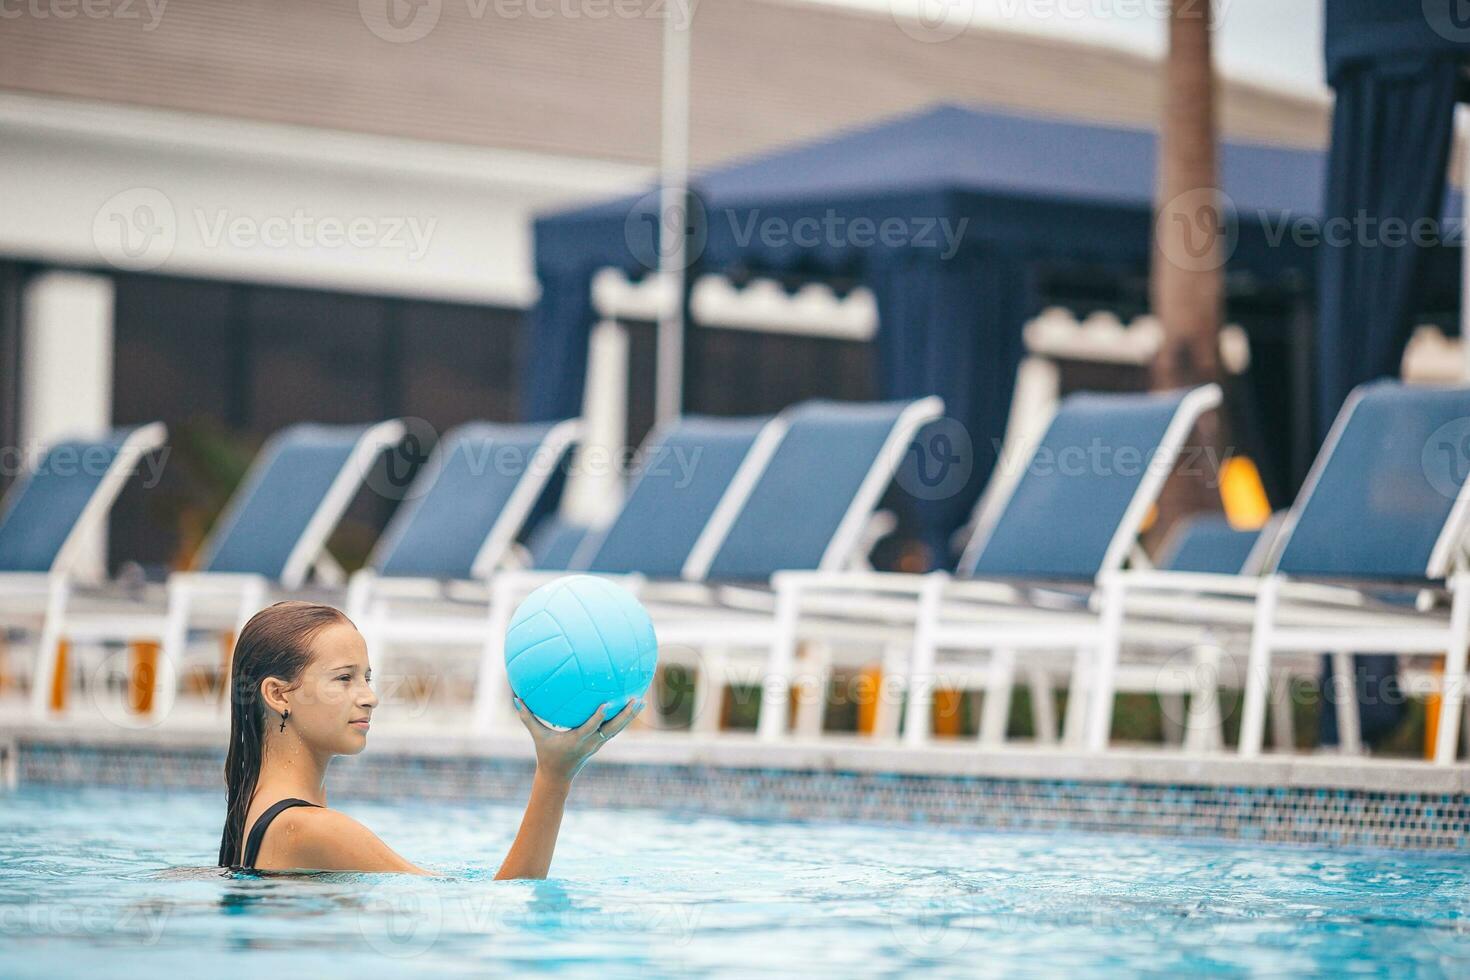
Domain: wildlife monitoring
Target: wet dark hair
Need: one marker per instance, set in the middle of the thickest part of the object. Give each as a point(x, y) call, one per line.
point(275, 643)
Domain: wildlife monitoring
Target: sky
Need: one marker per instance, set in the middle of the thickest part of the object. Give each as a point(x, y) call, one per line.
point(1272, 42)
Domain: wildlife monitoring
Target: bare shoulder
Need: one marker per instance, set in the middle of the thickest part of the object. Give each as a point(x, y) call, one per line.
point(323, 839)
point(315, 822)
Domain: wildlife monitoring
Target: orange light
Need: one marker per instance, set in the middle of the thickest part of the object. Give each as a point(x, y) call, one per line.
point(1243, 494)
point(58, 679)
point(143, 669)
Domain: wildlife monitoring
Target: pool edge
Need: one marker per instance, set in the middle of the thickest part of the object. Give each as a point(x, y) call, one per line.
point(1301, 800)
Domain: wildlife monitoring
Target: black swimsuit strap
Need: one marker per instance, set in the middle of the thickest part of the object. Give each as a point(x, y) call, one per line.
point(262, 824)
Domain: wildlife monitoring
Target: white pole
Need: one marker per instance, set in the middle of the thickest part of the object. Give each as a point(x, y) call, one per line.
point(1462, 119)
point(674, 166)
point(595, 487)
point(66, 373)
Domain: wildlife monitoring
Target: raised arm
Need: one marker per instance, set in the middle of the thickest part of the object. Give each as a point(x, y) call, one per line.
point(559, 757)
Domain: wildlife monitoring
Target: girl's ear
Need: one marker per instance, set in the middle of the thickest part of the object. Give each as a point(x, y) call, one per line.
point(273, 693)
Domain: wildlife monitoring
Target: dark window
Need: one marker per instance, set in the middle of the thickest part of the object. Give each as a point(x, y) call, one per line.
point(748, 372)
point(224, 365)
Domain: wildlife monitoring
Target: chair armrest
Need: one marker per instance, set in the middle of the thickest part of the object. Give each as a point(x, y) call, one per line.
point(1155, 580)
point(904, 583)
point(215, 583)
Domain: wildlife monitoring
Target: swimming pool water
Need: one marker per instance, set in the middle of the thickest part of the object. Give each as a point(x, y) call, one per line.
point(95, 883)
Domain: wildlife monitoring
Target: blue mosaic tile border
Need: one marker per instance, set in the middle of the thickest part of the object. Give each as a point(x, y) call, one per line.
point(1284, 815)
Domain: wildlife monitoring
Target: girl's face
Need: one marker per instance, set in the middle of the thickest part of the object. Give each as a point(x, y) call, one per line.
point(333, 703)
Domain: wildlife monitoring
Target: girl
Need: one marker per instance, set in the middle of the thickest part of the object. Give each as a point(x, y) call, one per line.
point(300, 694)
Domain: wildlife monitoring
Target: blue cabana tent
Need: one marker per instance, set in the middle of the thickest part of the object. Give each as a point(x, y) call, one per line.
point(1398, 70)
point(945, 214)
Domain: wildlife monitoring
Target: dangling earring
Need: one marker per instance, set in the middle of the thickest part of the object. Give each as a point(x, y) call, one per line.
point(284, 715)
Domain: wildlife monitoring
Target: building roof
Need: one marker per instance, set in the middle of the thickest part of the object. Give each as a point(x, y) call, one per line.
point(502, 73)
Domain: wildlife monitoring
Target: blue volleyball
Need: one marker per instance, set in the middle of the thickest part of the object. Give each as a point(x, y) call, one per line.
point(576, 643)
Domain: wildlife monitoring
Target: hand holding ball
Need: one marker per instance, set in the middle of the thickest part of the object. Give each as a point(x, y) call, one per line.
point(577, 643)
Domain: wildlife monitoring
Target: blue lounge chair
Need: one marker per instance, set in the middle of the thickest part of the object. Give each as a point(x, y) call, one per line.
point(797, 491)
point(553, 543)
point(682, 486)
point(1204, 544)
point(685, 471)
point(45, 520)
point(276, 524)
point(806, 506)
point(51, 507)
point(1371, 557)
point(465, 510)
point(1052, 526)
point(1208, 544)
point(271, 535)
point(456, 526)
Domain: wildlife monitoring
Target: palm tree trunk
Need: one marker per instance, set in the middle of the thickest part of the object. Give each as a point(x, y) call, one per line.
point(1187, 282)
